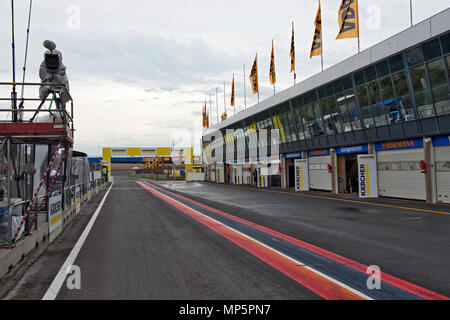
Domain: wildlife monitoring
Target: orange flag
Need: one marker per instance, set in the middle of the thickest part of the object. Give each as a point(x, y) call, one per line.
point(292, 50)
point(348, 20)
point(316, 49)
point(272, 75)
point(232, 92)
point(254, 76)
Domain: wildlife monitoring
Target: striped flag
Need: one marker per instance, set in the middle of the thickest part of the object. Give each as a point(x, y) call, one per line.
point(272, 75)
point(232, 93)
point(292, 50)
point(223, 116)
point(254, 76)
point(316, 49)
point(204, 121)
point(348, 20)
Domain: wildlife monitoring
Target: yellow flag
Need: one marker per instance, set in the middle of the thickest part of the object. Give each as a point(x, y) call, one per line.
point(348, 20)
point(223, 116)
point(207, 120)
point(204, 116)
point(316, 49)
point(254, 76)
point(232, 92)
point(292, 50)
point(272, 75)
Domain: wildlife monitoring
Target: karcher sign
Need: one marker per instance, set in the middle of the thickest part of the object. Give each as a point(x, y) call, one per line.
point(262, 176)
point(301, 175)
point(237, 174)
point(367, 176)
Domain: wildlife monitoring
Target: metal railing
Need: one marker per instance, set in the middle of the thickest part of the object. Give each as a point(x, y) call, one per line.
point(69, 196)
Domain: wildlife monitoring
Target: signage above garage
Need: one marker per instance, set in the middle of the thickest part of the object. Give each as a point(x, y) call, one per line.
point(402, 144)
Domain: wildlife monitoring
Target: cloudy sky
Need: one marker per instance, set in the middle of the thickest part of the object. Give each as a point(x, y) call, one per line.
point(140, 71)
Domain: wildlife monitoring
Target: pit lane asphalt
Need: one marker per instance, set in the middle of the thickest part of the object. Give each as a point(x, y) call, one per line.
point(142, 248)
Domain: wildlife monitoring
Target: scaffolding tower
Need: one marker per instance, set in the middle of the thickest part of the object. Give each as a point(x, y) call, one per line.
point(49, 130)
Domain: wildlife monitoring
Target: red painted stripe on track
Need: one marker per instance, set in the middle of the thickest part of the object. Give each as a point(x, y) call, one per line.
point(399, 283)
point(322, 286)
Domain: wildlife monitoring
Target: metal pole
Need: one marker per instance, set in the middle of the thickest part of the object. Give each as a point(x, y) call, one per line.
point(13, 47)
point(234, 107)
point(217, 106)
point(357, 21)
point(411, 11)
point(224, 99)
point(26, 49)
point(210, 104)
point(245, 92)
point(257, 74)
point(8, 189)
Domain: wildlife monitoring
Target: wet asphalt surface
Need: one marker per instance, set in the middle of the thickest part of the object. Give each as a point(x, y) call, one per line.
point(142, 248)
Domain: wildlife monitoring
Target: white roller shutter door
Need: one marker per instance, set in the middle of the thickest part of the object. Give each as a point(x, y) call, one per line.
point(319, 178)
point(399, 174)
point(442, 158)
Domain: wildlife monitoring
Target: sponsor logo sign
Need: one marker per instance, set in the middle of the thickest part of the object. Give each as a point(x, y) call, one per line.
point(54, 213)
point(441, 141)
point(352, 149)
point(77, 199)
point(397, 145)
point(319, 153)
point(301, 175)
point(367, 176)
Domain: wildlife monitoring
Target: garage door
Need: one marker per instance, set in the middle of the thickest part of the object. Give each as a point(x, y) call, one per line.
point(319, 178)
point(442, 156)
point(399, 174)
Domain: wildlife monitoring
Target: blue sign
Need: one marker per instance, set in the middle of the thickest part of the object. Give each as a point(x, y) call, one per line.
point(297, 155)
point(353, 149)
point(397, 145)
point(319, 153)
point(441, 141)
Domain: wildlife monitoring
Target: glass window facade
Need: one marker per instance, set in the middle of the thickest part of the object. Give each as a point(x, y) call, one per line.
point(408, 86)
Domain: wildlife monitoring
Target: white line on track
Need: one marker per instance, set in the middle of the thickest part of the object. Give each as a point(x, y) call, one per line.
point(57, 283)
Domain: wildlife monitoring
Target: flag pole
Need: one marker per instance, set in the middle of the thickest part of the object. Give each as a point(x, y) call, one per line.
point(234, 107)
point(411, 11)
point(217, 106)
point(224, 99)
point(245, 92)
point(321, 37)
point(257, 74)
point(357, 23)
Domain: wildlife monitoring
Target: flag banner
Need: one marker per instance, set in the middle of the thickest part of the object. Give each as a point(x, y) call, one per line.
point(272, 76)
point(204, 115)
point(316, 49)
point(207, 120)
point(292, 50)
point(232, 93)
point(348, 20)
point(254, 76)
point(223, 116)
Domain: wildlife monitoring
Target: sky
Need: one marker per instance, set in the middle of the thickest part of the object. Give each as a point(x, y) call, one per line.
point(141, 71)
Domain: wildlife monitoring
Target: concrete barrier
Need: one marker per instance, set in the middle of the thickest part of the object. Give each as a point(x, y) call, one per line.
point(11, 257)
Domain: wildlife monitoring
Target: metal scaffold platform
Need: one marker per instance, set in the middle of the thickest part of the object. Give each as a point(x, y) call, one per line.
point(35, 144)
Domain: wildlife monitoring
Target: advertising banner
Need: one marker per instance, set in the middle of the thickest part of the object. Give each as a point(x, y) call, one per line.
point(301, 175)
point(77, 199)
point(54, 213)
point(237, 174)
point(220, 175)
point(262, 176)
point(367, 176)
